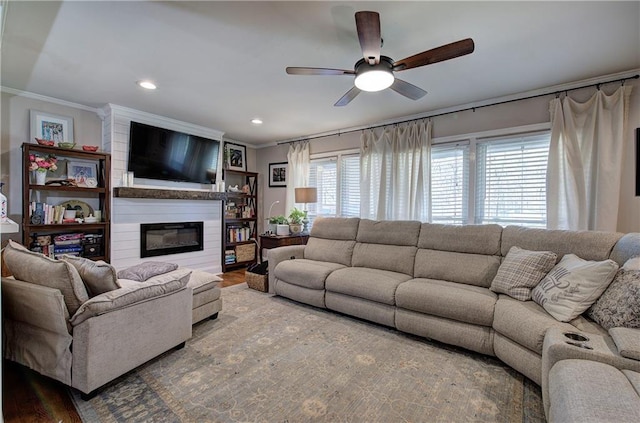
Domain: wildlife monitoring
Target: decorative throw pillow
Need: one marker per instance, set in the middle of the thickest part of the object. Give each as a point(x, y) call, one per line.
point(522, 270)
point(619, 305)
point(573, 285)
point(38, 269)
point(98, 276)
point(632, 264)
point(143, 271)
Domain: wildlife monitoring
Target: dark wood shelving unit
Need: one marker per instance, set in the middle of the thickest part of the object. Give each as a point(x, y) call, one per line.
point(102, 192)
point(240, 221)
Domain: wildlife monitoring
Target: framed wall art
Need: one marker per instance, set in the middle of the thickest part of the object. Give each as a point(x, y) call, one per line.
point(235, 156)
point(84, 173)
point(278, 174)
point(50, 127)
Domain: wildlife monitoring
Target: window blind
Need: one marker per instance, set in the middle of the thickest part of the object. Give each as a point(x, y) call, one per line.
point(350, 186)
point(449, 183)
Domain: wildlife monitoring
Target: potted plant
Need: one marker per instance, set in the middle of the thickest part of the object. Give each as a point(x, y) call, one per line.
point(295, 220)
point(279, 225)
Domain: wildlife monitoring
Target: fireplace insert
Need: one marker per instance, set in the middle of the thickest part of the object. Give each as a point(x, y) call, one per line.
point(159, 239)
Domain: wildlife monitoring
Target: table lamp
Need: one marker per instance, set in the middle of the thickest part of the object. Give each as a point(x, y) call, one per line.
point(305, 196)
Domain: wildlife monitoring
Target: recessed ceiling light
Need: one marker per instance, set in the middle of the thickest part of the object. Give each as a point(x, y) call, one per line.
point(256, 121)
point(147, 85)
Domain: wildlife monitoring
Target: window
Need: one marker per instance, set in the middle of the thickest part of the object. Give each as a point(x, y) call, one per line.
point(497, 180)
point(337, 179)
point(450, 183)
point(511, 181)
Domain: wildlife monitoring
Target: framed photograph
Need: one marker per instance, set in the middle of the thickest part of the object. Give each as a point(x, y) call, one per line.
point(236, 156)
point(278, 174)
point(50, 127)
point(84, 173)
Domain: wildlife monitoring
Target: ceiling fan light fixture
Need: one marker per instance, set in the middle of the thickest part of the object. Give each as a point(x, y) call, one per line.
point(374, 80)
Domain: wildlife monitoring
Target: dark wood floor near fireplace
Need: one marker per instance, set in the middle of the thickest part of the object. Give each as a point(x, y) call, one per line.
point(28, 397)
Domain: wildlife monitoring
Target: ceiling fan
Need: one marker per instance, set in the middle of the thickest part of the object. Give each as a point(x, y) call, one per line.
point(375, 72)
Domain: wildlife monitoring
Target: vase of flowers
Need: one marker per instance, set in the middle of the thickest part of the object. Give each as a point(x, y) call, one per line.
point(41, 165)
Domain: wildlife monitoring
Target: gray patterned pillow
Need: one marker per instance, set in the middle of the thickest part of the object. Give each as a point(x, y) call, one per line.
point(522, 270)
point(619, 305)
point(143, 271)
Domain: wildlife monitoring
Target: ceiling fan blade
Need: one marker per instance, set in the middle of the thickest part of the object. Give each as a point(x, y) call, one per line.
point(407, 89)
point(350, 95)
point(318, 71)
point(438, 54)
point(368, 26)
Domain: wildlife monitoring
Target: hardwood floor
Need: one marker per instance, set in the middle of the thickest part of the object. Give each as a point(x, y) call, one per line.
point(28, 397)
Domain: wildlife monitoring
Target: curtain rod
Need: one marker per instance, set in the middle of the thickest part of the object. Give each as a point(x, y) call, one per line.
point(556, 93)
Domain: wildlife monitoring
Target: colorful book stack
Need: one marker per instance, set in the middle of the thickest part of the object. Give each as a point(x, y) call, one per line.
point(238, 234)
point(229, 256)
point(70, 244)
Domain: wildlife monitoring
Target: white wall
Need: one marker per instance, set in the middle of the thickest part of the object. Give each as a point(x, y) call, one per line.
point(519, 113)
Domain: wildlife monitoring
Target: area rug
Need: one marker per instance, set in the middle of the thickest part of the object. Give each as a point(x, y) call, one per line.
point(268, 359)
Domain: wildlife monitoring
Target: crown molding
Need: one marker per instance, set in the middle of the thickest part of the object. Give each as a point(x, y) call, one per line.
point(34, 96)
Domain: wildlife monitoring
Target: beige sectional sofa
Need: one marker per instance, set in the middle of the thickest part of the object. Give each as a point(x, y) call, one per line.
point(434, 281)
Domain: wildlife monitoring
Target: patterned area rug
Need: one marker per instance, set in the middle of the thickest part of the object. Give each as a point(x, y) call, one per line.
point(268, 359)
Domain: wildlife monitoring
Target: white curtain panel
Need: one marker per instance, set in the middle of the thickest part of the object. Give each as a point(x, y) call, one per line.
point(298, 172)
point(585, 161)
point(394, 172)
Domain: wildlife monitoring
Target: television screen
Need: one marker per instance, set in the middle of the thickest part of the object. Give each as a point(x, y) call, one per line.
point(158, 153)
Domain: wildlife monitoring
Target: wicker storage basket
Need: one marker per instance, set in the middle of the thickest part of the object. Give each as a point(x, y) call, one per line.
point(245, 252)
point(257, 282)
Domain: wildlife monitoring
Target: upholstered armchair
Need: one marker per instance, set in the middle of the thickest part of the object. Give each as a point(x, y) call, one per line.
point(70, 319)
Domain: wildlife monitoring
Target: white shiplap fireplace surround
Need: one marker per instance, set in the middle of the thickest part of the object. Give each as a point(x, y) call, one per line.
point(128, 213)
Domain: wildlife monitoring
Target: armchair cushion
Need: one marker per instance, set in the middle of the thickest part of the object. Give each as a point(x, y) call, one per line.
point(143, 271)
point(38, 269)
point(98, 276)
point(130, 294)
point(627, 341)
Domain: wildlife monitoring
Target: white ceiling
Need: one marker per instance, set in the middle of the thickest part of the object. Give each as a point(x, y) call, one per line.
point(219, 64)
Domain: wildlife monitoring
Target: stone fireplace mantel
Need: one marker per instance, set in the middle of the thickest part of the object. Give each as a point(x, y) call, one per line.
point(170, 194)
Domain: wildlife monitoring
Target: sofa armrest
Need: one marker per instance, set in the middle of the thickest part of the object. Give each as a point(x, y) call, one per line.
point(130, 294)
point(277, 255)
point(627, 341)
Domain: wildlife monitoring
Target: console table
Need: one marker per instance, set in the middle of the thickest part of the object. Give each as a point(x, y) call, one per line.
point(267, 241)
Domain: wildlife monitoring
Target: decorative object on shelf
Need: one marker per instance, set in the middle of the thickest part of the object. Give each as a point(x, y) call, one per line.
point(91, 182)
point(278, 174)
point(50, 127)
point(92, 148)
point(306, 195)
point(45, 142)
point(295, 220)
point(233, 188)
point(40, 165)
point(236, 156)
point(70, 214)
point(81, 171)
point(82, 209)
point(67, 145)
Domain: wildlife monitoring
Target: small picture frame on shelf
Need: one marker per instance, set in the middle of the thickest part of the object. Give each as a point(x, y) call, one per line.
point(84, 173)
point(235, 156)
point(50, 127)
point(278, 174)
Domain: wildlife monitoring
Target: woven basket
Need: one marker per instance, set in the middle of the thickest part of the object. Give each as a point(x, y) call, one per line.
point(257, 282)
point(245, 252)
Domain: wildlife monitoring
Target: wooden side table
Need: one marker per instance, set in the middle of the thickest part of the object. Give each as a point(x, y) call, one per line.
point(267, 242)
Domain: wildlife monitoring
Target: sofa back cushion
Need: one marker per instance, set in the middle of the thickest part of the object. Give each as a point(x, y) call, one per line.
point(626, 248)
point(470, 269)
point(38, 269)
point(331, 250)
point(473, 239)
point(387, 245)
point(588, 245)
point(340, 228)
point(98, 276)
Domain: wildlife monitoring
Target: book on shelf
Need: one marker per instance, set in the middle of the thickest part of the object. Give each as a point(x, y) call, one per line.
point(49, 214)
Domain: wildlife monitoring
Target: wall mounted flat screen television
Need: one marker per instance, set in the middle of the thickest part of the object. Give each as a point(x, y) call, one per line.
point(158, 153)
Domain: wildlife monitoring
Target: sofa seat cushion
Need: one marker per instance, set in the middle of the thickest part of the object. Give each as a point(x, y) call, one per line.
point(130, 293)
point(576, 393)
point(306, 273)
point(524, 322)
point(464, 303)
point(370, 284)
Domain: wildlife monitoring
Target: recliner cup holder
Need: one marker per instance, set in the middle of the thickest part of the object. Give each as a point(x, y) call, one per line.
point(579, 345)
point(576, 337)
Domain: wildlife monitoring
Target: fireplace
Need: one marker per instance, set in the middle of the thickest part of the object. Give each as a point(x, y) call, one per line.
point(159, 239)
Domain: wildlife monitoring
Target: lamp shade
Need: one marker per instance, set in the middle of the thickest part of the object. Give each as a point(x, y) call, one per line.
point(306, 195)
